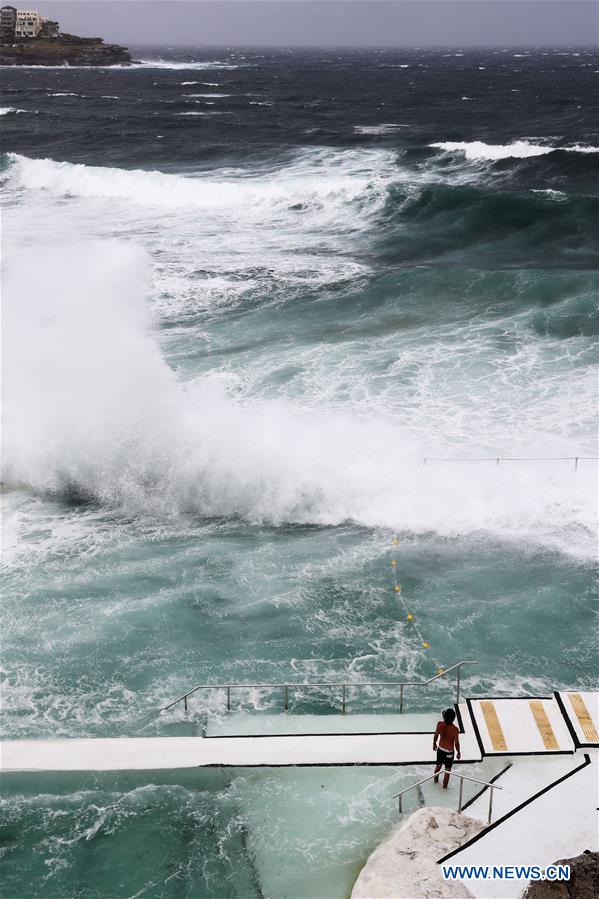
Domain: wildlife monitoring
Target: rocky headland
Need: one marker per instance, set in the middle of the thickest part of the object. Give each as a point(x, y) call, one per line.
point(583, 883)
point(66, 49)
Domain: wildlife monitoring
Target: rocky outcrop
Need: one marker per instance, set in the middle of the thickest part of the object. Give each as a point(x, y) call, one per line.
point(405, 866)
point(67, 49)
point(583, 883)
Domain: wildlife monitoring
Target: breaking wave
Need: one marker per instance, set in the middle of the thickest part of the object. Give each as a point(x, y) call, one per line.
point(306, 180)
point(520, 149)
point(92, 411)
point(172, 64)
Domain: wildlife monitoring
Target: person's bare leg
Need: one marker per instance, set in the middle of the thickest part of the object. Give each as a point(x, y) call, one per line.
point(445, 781)
point(437, 769)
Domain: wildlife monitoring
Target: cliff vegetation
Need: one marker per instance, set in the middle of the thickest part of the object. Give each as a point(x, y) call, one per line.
point(66, 49)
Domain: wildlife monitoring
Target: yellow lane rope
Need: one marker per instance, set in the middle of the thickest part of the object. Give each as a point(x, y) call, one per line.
point(409, 615)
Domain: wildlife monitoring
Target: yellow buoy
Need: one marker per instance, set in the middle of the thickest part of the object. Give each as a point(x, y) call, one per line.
point(410, 616)
point(393, 563)
point(397, 588)
point(440, 670)
point(425, 644)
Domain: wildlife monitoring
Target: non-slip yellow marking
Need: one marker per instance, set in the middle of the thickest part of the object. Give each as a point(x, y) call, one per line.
point(543, 723)
point(492, 722)
point(584, 718)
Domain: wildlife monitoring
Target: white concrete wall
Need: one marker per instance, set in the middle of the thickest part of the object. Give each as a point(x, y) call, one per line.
point(561, 823)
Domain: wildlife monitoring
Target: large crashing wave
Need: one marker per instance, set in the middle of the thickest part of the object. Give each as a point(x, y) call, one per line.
point(92, 409)
point(413, 215)
point(307, 181)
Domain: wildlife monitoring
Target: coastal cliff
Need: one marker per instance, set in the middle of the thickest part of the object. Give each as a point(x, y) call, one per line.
point(66, 49)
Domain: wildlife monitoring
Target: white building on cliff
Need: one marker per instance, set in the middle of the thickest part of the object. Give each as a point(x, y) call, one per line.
point(28, 24)
point(25, 23)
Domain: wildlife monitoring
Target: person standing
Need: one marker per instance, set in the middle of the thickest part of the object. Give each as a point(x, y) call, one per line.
point(447, 736)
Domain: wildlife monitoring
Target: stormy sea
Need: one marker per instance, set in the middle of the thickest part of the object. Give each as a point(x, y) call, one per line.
point(246, 295)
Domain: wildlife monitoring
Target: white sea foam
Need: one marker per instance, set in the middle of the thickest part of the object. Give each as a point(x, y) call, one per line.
point(202, 192)
point(295, 224)
point(90, 404)
point(6, 110)
point(520, 149)
point(171, 64)
point(150, 64)
point(477, 149)
point(209, 96)
point(203, 113)
point(384, 128)
point(579, 148)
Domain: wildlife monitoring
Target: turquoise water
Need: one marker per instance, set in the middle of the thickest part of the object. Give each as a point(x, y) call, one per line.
point(290, 832)
point(230, 340)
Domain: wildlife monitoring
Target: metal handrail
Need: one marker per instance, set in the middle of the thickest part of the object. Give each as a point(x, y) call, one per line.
point(462, 777)
point(330, 684)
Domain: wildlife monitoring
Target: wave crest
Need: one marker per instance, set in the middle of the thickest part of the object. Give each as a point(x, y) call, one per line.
point(520, 149)
point(308, 180)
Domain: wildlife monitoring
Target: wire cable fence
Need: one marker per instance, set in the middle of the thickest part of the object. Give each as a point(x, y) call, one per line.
point(497, 459)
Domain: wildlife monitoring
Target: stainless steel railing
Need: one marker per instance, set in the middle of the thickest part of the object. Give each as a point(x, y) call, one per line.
point(344, 687)
point(462, 777)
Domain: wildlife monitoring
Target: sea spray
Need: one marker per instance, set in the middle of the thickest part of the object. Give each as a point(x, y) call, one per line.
point(93, 411)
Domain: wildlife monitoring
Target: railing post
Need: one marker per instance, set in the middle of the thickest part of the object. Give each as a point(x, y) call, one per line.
point(401, 699)
point(343, 699)
point(460, 795)
point(491, 791)
point(457, 691)
point(400, 803)
point(185, 703)
point(576, 463)
point(228, 699)
point(286, 698)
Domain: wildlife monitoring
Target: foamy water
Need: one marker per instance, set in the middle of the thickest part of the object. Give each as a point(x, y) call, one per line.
point(232, 335)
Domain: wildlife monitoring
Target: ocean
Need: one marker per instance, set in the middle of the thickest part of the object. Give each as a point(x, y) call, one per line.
point(246, 294)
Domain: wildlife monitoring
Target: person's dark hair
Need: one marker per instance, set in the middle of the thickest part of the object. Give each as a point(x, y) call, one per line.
point(449, 716)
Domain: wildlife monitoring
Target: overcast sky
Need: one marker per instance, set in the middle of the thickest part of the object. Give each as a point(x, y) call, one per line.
point(334, 23)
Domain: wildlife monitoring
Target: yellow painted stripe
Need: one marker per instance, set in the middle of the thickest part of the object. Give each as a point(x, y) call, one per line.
point(584, 718)
point(492, 722)
point(543, 723)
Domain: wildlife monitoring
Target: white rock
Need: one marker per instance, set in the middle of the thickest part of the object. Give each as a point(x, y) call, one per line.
point(405, 866)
